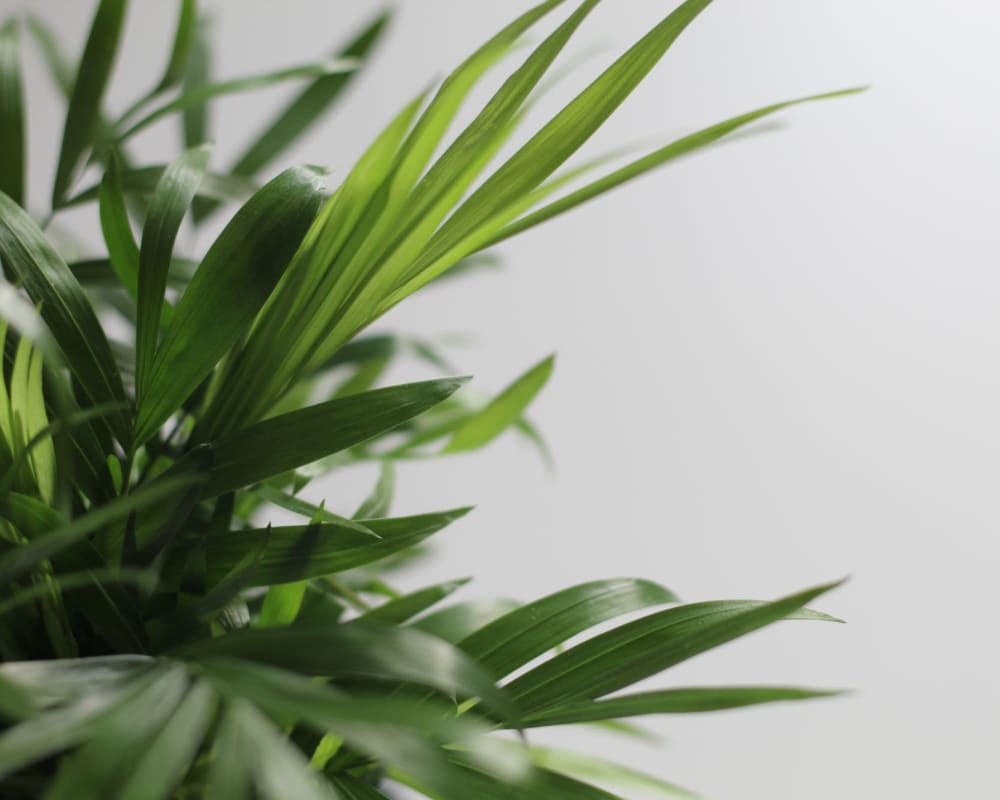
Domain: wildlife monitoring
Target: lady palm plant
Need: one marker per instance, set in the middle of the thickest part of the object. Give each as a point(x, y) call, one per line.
point(159, 637)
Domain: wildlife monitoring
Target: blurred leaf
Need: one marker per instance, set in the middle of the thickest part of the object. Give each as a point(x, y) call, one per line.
point(199, 95)
point(378, 503)
point(307, 107)
point(401, 609)
point(53, 54)
point(84, 112)
point(12, 155)
point(197, 72)
point(455, 623)
point(143, 181)
point(503, 411)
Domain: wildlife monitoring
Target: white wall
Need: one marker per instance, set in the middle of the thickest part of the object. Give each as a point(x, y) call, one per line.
point(778, 363)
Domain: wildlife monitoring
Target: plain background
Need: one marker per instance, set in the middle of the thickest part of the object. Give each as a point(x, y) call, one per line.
point(777, 359)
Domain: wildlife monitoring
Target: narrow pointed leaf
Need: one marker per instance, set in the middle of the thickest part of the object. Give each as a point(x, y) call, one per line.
point(503, 411)
point(308, 107)
point(123, 252)
point(200, 95)
point(194, 119)
point(228, 289)
point(142, 181)
point(647, 646)
point(13, 154)
point(671, 701)
point(298, 552)
point(84, 112)
point(32, 261)
point(533, 629)
point(282, 443)
point(682, 147)
point(401, 609)
point(173, 195)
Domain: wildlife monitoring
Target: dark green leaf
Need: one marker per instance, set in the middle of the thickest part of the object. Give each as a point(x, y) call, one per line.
point(12, 155)
point(230, 286)
point(173, 195)
point(532, 630)
point(194, 119)
point(364, 652)
point(671, 701)
point(647, 646)
point(84, 112)
point(310, 551)
point(33, 262)
point(123, 252)
point(50, 537)
point(277, 445)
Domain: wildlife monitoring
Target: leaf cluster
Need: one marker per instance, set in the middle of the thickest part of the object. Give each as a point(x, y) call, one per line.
point(159, 637)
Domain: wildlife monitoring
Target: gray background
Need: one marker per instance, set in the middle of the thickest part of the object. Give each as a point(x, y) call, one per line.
point(777, 361)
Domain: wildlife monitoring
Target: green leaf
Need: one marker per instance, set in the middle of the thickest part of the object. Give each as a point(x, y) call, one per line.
point(53, 538)
point(533, 629)
point(32, 261)
point(304, 508)
point(123, 252)
point(503, 411)
point(309, 551)
point(363, 652)
point(194, 119)
point(282, 443)
point(282, 604)
point(352, 789)
point(12, 155)
point(378, 503)
point(647, 646)
point(548, 149)
point(15, 702)
point(581, 766)
point(252, 753)
point(671, 701)
point(307, 107)
point(53, 53)
point(174, 193)
point(682, 147)
point(172, 750)
point(456, 622)
point(199, 95)
point(184, 36)
point(228, 289)
point(84, 112)
point(401, 609)
point(142, 181)
point(119, 738)
point(394, 729)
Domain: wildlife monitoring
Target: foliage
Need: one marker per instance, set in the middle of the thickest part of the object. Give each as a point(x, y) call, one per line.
point(159, 637)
